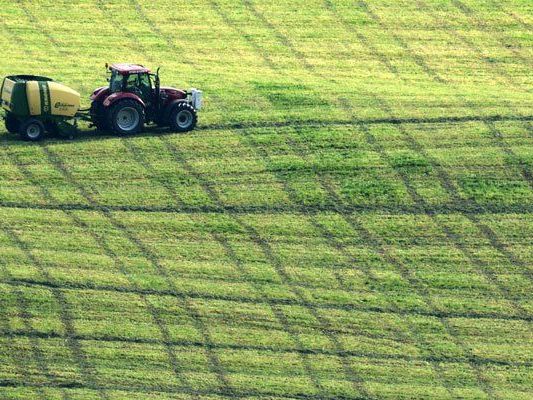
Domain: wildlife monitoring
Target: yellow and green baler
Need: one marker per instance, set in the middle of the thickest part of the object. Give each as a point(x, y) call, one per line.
point(36, 104)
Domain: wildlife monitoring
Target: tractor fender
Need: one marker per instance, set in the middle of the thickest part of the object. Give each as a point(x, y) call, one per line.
point(110, 100)
point(100, 93)
point(170, 106)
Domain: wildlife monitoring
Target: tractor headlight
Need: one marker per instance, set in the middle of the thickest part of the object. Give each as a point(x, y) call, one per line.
point(196, 98)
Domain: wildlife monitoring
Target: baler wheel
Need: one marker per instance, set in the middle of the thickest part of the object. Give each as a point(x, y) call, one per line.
point(32, 129)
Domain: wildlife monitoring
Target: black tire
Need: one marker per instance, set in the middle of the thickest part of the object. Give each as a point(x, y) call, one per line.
point(182, 117)
point(12, 123)
point(32, 129)
point(126, 117)
point(98, 116)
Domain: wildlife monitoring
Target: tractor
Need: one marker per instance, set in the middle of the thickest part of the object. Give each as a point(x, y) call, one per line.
point(134, 97)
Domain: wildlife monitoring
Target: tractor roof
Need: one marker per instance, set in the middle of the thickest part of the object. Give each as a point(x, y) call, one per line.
point(125, 69)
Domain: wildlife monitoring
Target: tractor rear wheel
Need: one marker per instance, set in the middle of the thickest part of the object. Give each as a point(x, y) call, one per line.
point(126, 117)
point(12, 123)
point(32, 129)
point(182, 118)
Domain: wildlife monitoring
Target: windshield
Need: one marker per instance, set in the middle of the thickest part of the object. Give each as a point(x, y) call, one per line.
point(115, 83)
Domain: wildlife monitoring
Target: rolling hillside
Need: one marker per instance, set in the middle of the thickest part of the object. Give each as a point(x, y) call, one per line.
point(352, 219)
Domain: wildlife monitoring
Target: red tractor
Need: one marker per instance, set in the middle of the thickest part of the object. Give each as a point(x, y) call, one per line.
point(134, 97)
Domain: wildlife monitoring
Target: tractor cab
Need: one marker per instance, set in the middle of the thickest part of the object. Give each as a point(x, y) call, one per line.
point(133, 79)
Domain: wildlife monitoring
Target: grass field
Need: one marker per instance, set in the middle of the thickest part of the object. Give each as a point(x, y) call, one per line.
point(352, 219)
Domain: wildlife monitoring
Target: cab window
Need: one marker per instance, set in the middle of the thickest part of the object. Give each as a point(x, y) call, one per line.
point(115, 83)
point(132, 81)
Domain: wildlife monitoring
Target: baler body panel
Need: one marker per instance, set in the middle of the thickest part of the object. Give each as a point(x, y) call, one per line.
point(27, 95)
point(14, 97)
point(64, 100)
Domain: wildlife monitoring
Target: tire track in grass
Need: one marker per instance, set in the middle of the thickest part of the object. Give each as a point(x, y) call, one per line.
point(86, 369)
point(278, 314)
point(108, 251)
point(258, 49)
point(38, 355)
point(56, 45)
point(340, 267)
point(404, 271)
point(324, 124)
point(301, 57)
point(500, 142)
point(513, 159)
point(471, 14)
point(329, 5)
point(155, 29)
point(283, 39)
point(452, 208)
point(447, 184)
point(146, 389)
point(10, 345)
point(22, 305)
point(419, 60)
point(473, 47)
point(274, 350)
point(183, 298)
point(482, 267)
point(40, 27)
point(277, 265)
point(334, 244)
point(432, 73)
point(358, 227)
point(289, 302)
point(346, 105)
point(370, 121)
point(500, 5)
point(65, 315)
point(121, 266)
point(139, 47)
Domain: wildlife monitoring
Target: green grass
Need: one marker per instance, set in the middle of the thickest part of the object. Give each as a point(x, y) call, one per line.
point(351, 220)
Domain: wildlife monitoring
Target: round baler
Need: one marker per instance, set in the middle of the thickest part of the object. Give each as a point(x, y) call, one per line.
point(36, 104)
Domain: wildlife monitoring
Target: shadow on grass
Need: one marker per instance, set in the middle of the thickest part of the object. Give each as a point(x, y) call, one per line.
point(152, 130)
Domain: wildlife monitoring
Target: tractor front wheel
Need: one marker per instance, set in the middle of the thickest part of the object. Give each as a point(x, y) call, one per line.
point(182, 118)
point(32, 129)
point(12, 123)
point(126, 117)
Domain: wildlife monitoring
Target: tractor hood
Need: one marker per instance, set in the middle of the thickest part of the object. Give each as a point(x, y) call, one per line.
point(173, 92)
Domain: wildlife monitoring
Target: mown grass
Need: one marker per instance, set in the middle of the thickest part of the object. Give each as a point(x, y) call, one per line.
point(352, 219)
